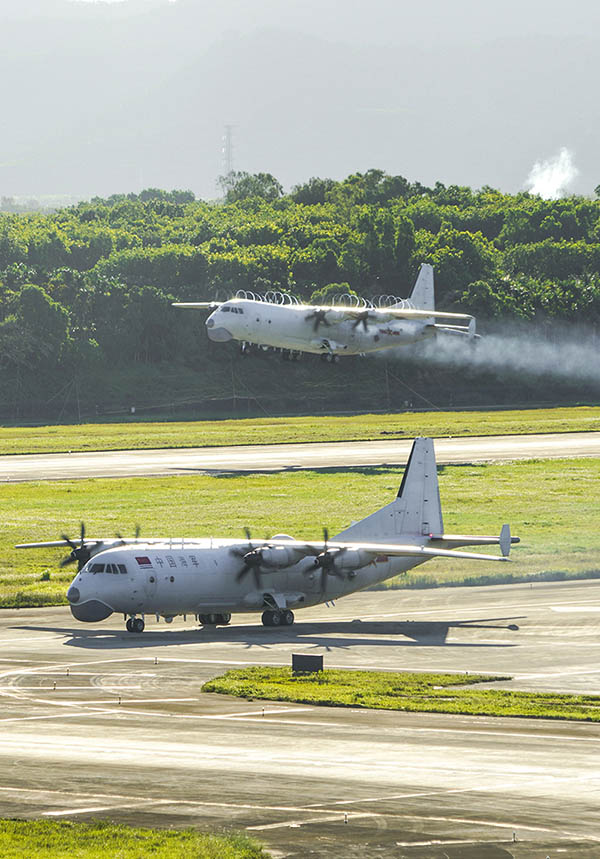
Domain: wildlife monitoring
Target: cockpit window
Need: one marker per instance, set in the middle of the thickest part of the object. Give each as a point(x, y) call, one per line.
point(226, 309)
point(122, 569)
point(97, 568)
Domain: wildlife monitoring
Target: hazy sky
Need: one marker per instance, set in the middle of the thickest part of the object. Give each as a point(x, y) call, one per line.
point(106, 97)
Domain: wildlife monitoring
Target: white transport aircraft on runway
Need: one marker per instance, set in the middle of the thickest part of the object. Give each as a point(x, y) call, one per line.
point(211, 578)
point(347, 329)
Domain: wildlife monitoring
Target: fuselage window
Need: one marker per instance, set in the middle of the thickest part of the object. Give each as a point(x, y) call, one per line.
point(97, 568)
point(122, 569)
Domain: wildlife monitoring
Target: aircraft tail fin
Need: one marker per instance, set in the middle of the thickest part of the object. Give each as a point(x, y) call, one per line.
point(416, 511)
point(423, 296)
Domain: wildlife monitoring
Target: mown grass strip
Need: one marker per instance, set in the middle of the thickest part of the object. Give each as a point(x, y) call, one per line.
point(97, 840)
point(549, 504)
point(134, 434)
point(408, 692)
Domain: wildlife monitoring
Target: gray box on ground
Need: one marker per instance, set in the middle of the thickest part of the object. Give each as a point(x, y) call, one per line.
point(303, 663)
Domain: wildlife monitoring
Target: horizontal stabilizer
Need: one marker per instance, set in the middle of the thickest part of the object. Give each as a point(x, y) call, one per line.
point(391, 549)
point(505, 540)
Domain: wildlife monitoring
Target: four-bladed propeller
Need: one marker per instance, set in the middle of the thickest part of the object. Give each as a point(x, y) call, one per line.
point(80, 554)
point(326, 561)
point(319, 315)
point(252, 558)
point(363, 316)
point(137, 533)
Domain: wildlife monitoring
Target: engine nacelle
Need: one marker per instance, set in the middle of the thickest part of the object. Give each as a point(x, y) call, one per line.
point(350, 559)
point(279, 557)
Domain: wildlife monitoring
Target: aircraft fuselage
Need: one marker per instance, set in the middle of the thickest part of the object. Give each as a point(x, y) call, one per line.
point(290, 326)
point(202, 577)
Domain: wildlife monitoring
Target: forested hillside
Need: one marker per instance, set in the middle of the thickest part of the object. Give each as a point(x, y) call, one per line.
point(86, 324)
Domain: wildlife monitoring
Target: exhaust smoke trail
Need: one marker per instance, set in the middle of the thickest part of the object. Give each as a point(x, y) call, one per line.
point(551, 179)
point(573, 355)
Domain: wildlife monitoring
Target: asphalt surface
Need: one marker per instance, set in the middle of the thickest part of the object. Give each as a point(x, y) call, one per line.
point(95, 722)
point(274, 457)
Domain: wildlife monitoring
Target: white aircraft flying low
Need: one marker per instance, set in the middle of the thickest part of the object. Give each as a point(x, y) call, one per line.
point(211, 578)
point(333, 330)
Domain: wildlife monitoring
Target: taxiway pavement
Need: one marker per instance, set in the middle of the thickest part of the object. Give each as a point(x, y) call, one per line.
point(96, 722)
point(279, 457)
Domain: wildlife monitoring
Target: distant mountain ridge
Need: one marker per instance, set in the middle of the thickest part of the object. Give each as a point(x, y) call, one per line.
point(111, 97)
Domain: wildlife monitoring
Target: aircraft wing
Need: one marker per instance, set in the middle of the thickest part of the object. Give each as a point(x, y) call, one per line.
point(89, 541)
point(200, 305)
point(51, 543)
point(385, 314)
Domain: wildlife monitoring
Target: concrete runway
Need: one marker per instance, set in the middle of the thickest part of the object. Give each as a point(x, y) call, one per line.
point(145, 463)
point(99, 723)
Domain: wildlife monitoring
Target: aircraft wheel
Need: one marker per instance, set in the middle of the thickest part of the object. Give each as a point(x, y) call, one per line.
point(324, 356)
point(224, 619)
point(267, 617)
point(129, 624)
point(287, 617)
point(137, 624)
point(276, 618)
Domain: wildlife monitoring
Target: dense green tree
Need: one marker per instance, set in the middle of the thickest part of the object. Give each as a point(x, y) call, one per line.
point(241, 186)
point(312, 192)
point(90, 286)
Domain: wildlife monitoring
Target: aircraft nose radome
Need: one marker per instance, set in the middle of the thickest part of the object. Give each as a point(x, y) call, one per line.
point(219, 335)
point(91, 611)
point(73, 594)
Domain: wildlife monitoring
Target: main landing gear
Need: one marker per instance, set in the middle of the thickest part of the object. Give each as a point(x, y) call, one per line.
point(278, 618)
point(135, 624)
point(330, 357)
point(214, 619)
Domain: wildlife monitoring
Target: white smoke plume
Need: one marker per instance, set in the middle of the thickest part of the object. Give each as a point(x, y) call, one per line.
point(551, 179)
point(572, 355)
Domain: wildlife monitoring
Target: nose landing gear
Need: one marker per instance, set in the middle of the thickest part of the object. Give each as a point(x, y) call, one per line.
point(135, 624)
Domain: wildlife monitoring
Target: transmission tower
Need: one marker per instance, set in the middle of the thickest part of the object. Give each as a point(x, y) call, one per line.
point(227, 150)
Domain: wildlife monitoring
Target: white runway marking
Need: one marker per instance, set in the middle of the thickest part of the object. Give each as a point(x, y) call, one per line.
point(576, 608)
point(571, 670)
point(70, 812)
point(294, 824)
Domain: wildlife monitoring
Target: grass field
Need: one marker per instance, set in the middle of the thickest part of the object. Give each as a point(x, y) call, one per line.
point(133, 434)
point(414, 693)
point(30, 839)
point(552, 505)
